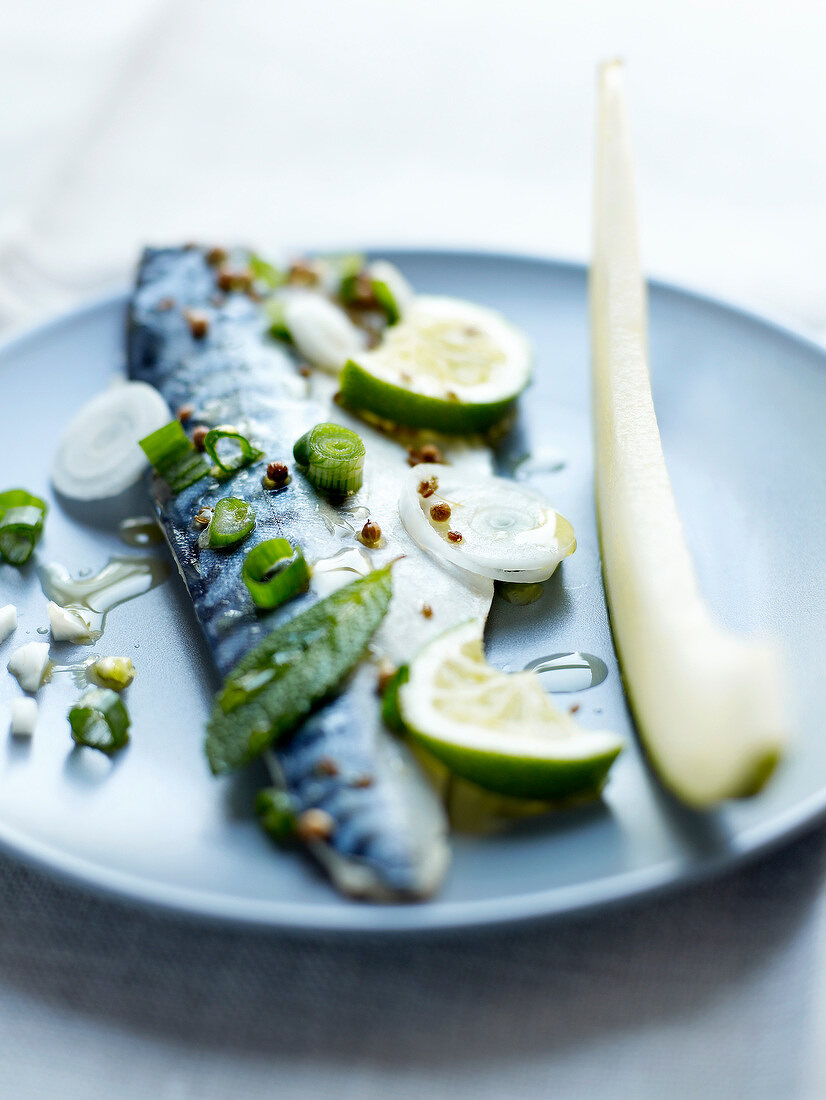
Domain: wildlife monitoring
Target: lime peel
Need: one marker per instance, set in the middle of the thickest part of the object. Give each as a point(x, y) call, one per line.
point(497, 729)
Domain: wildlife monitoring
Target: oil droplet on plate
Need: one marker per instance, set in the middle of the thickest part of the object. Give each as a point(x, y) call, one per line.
point(140, 531)
point(565, 672)
point(328, 574)
point(121, 579)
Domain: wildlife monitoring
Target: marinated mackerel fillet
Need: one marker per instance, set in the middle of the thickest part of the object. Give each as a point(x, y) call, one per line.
point(389, 836)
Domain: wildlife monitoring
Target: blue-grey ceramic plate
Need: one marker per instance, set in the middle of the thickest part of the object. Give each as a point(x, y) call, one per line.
point(742, 408)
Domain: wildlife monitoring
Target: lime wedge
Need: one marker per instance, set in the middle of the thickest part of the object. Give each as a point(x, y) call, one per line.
point(497, 729)
point(447, 365)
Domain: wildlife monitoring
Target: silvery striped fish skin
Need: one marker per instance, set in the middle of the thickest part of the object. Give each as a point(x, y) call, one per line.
point(389, 838)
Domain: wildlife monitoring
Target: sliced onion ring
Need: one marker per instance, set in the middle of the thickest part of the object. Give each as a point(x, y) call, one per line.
point(508, 532)
point(98, 455)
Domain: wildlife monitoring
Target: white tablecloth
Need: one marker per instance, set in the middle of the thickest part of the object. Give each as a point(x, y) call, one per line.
point(388, 122)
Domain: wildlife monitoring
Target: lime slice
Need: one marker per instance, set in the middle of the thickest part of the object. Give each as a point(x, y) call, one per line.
point(448, 365)
point(497, 729)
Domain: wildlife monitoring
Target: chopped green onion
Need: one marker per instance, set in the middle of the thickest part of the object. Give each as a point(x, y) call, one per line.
point(276, 812)
point(244, 455)
point(115, 673)
point(266, 272)
point(232, 520)
point(347, 269)
point(173, 456)
point(333, 458)
point(21, 522)
point(278, 324)
point(274, 572)
point(386, 300)
point(100, 721)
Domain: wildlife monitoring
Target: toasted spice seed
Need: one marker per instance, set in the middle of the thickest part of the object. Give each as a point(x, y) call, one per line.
point(573, 708)
point(363, 291)
point(370, 533)
point(217, 256)
point(165, 304)
point(305, 371)
point(314, 824)
point(234, 278)
point(327, 766)
point(427, 610)
point(454, 536)
point(203, 517)
point(428, 488)
point(198, 323)
point(198, 437)
point(278, 472)
point(184, 413)
point(452, 396)
point(337, 397)
point(303, 272)
point(428, 452)
point(440, 512)
point(363, 780)
point(387, 670)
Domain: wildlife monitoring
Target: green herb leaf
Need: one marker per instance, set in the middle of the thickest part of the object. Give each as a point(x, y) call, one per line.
point(100, 721)
point(173, 456)
point(232, 521)
point(274, 572)
point(276, 685)
point(244, 455)
point(21, 524)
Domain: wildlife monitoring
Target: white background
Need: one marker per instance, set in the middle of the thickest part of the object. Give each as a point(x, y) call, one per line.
point(465, 122)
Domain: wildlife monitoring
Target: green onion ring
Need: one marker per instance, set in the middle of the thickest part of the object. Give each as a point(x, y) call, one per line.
point(173, 456)
point(21, 523)
point(332, 457)
point(246, 452)
point(100, 721)
point(274, 572)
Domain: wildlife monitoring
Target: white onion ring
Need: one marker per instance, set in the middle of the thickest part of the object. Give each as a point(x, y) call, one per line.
point(509, 532)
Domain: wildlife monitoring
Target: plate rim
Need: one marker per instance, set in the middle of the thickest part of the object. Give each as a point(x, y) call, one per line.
point(426, 917)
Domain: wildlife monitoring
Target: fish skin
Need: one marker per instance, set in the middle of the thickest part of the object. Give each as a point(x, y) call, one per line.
point(389, 841)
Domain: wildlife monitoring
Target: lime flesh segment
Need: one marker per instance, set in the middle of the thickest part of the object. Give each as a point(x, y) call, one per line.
point(498, 730)
point(707, 703)
point(448, 365)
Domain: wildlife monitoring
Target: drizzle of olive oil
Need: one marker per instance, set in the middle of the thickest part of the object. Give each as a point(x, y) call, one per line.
point(121, 579)
point(566, 672)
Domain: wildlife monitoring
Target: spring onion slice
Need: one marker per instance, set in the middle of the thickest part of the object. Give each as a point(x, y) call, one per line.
point(115, 673)
point(321, 330)
point(276, 812)
point(332, 457)
point(98, 455)
point(486, 526)
point(100, 721)
point(230, 463)
point(173, 456)
point(21, 524)
point(391, 290)
point(274, 572)
point(232, 521)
